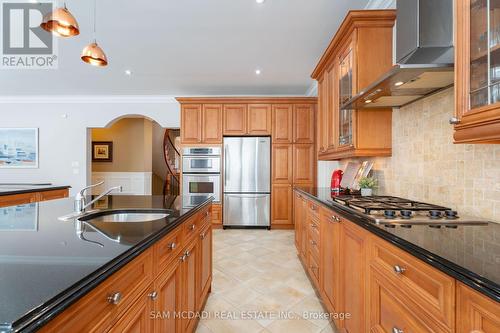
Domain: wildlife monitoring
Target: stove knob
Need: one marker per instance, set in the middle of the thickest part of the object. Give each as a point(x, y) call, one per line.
point(435, 214)
point(451, 214)
point(406, 214)
point(390, 214)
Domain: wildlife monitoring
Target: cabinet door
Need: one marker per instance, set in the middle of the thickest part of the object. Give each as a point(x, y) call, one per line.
point(281, 204)
point(346, 90)
point(212, 123)
point(259, 119)
point(137, 319)
point(303, 119)
point(353, 245)
point(282, 162)
point(168, 286)
point(303, 230)
point(297, 216)
point(205, 265)
point(189, 274)
point(331, 119)
point(191, 123)
point(235, 119)
point(330, 258)
point(322, 117)
point(476, 312)
point(477, 66)
point(282, 123)
point(303, 164)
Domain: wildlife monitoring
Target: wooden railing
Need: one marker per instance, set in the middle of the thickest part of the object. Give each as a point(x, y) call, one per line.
point(172, 160)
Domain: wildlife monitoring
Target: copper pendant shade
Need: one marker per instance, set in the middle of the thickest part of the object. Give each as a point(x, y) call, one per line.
point(92, 54)
point(61, 23)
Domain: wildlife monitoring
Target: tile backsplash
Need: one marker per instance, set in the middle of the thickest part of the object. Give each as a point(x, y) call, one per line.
point(427, 166)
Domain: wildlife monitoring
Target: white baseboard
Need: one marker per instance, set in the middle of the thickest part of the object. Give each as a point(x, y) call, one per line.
point(133, 183)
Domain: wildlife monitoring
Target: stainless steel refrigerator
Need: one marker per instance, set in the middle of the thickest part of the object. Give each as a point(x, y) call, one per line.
point(247, 181)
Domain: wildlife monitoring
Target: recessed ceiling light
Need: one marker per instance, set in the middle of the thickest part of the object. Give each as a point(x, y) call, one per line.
point(260, 1)
point(399, 83)
point(128, 72)
point(258, 71)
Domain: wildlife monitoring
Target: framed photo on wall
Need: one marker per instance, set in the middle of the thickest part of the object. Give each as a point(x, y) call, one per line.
point(18, 148)
point(102, 151)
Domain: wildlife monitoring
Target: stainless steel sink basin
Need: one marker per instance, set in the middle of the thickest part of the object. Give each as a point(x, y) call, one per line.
point(124, 216)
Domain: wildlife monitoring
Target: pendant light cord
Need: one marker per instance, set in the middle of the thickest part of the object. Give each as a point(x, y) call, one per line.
point(95, 19)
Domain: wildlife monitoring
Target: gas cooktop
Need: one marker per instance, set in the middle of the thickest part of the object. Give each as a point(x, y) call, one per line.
point(391, 211)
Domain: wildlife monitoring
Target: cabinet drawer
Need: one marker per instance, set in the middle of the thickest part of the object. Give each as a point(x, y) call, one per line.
point(388, 312)
point(97, 311)
point(313, 268)
point(313, 229)
point(313, 209)
point(428, 291)
point(193, 225)
point(216, 214)
point(168, 248)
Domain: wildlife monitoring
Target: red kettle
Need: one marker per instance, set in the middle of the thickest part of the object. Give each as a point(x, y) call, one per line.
point(336, 180)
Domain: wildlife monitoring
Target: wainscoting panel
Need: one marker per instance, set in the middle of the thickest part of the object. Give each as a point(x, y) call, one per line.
point(133, 183)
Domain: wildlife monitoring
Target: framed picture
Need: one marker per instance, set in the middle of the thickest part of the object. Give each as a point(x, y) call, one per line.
point(18, 148)
point(102, 151)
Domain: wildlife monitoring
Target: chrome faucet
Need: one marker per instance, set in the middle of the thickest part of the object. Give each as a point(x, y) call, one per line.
point(80, 202)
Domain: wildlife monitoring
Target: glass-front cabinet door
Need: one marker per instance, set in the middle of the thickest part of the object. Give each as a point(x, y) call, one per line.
point(345, 93)
point(484, 64)
point(477, 71)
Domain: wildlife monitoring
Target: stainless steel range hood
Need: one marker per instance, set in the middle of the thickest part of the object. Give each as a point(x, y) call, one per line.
point(424, 56)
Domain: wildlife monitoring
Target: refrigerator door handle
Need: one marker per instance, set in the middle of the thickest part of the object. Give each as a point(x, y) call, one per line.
point(245, 195)
point(226, 173)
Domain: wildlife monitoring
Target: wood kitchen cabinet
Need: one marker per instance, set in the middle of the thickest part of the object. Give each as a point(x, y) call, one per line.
point(205, 264)
point(31, 197)
point(304, 120)
point(475, 312)
point(477, 72)
point(282, 164)
point(282, 204)
point(235, 119)
point(136, 319)
point(212, 123)
point(282, 123)
point(259, 119)
point(342, 72)
point(191, 115)
point(169, 289)
point(189, 294)
point(304, 164)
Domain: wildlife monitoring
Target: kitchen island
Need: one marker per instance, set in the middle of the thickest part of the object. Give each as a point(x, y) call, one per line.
point(53, 272)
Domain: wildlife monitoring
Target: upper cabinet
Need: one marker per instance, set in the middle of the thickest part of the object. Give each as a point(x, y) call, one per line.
point(201, 123)
point(282, 120)
point(259, 119)
point(235, 119)
point(212, 123)
point(477, 72)
point(191, 123)
point(359, 53)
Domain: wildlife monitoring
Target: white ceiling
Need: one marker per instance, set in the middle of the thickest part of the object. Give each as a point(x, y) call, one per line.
point(190, 47)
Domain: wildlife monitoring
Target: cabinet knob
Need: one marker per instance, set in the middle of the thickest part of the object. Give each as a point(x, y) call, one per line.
point(203, 235)
point(187, 254)
point(191, 228)
point(153, 295)
point(335, 218)
point(114, 298)
point(182, 258)
point(313, 242)
point(399, 270)
point(171, 246)
point(397, 330)
point(206, 213)
point(313, 225)
point(454, 121)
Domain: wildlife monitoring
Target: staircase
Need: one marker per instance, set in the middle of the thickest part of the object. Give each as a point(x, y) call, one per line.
point(172, 160)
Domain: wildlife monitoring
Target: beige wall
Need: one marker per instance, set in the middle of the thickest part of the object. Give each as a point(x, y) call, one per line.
point(426, 165)
point(132, 146)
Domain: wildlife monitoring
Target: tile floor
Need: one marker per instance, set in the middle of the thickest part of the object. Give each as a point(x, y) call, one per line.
point(259, 286)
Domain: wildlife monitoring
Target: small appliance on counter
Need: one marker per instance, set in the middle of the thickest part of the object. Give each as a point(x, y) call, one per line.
point(335, 184)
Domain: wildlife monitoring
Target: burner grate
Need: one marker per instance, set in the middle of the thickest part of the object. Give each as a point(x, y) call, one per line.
point(382, 203)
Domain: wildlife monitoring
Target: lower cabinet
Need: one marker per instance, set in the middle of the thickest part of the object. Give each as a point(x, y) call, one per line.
point(380, 288)
point(282, 205)
point(475, 312)
point(160, 291)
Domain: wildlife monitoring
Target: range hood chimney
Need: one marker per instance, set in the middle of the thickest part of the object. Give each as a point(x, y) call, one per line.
point(424, 57)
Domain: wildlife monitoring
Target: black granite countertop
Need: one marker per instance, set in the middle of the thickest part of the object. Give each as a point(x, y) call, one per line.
point(10, 189)
point(45, 266)
point(471, 254)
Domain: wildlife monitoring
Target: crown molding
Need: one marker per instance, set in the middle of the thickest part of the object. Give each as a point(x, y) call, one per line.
point(88, 99)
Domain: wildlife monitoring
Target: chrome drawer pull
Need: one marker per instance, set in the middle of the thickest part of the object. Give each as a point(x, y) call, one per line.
point(171, 246)
point(153, 295)
point(397, 330)
point(399, 269)
point(336, 218)
point(114, 298)
point(187, 254)
point(183, 258)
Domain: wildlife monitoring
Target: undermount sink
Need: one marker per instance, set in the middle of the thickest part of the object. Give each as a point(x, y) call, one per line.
point(126, 216)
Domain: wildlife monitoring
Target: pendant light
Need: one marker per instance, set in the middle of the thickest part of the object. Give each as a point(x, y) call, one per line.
point(61, 23)
point(93, 54)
